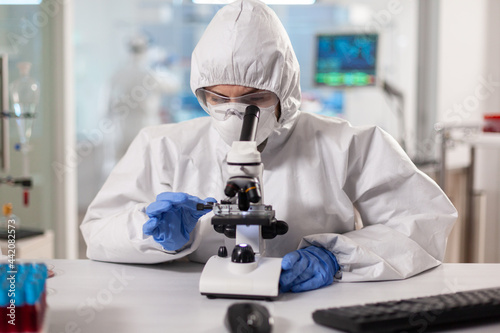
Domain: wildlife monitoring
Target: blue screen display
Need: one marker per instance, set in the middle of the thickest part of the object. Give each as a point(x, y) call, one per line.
point(346, 60)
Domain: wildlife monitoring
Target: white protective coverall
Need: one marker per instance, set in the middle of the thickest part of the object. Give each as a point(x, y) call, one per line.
point(317, 170)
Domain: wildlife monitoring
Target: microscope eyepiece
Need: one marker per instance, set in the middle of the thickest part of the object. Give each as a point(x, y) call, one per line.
point(250, 121)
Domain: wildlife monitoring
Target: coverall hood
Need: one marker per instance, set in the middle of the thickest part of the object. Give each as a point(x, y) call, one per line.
point(246, 44)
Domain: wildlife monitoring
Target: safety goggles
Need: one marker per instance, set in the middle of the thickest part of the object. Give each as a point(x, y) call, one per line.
point(215, 104)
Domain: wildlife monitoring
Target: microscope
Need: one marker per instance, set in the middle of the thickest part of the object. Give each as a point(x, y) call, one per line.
point(246, 273)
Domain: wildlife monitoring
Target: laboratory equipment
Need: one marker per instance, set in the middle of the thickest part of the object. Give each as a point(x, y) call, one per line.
point(415, 314)
point(25, 95)
point(248, 317)
point(24, 182)
point(346, 60)
point(8, 218)
point(492, 123)
point(23, 302)
point(391, 91)
point(476, 197)
point(242, 215)
point(4, 105)
point(10, 227)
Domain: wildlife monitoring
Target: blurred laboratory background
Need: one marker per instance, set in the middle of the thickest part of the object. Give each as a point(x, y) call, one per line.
point(79, 78)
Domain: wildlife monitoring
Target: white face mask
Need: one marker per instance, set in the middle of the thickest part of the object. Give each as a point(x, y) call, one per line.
point(230, 129)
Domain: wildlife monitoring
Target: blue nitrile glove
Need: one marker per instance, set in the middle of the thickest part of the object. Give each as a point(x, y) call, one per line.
point(306, 269)
point(172, 217)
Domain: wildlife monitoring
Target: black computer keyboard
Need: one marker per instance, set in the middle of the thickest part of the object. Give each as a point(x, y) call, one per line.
point(415, 314)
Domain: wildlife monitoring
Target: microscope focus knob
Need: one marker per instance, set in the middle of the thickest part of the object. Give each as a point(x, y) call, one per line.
point(275, 228)
point(243, 253)
point(222, 252)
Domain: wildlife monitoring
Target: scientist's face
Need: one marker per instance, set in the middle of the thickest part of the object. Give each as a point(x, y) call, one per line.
point(237, 91)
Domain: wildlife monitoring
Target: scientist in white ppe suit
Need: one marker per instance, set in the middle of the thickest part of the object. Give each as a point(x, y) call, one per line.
point(317, 171)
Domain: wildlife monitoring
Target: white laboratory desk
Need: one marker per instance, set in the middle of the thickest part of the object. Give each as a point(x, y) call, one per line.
point(90, 296)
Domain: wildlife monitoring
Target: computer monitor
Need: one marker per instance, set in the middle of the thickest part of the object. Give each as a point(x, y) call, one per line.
point(346, 60)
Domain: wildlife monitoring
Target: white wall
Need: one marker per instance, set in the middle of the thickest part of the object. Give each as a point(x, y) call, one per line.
point(492, 104)
point(462, 60)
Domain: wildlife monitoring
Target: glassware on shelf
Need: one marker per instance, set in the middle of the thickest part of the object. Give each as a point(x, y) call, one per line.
point(25, 94)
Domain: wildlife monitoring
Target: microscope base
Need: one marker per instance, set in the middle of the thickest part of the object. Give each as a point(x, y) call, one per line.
point(225, 279)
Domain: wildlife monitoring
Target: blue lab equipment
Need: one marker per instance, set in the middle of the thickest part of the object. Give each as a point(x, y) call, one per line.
point(172, 217)
point(23, 297)
point(306, 269)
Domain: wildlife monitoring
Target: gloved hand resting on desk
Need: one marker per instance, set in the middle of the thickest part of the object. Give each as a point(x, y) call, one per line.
point(172, 217)
point(306, 269)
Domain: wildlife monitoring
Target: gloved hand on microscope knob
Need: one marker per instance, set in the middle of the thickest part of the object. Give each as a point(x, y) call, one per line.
point(308, 268)
point(172, 217)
